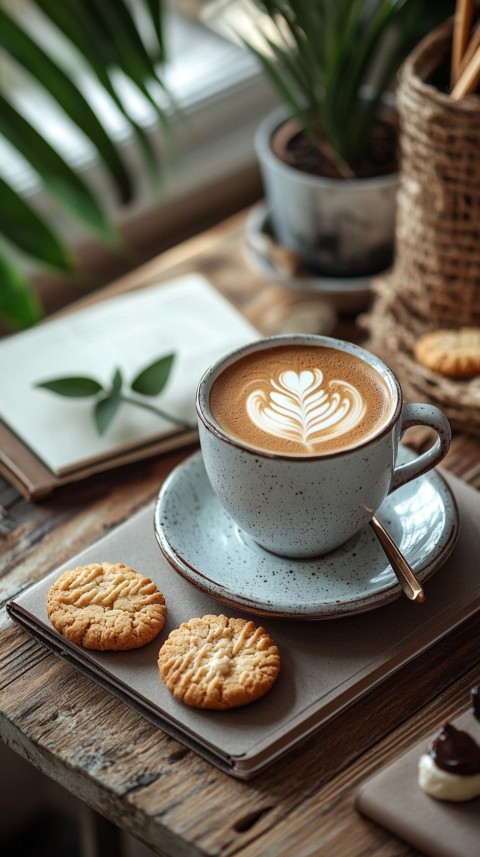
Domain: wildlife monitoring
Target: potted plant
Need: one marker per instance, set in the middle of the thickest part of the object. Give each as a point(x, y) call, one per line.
point(328, 156)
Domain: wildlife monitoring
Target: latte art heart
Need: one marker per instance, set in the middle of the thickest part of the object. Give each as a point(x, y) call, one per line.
point(297, 407)
point(294, 400)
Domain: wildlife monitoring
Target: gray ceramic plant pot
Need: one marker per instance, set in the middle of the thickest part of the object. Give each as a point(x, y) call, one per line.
point(338, 227)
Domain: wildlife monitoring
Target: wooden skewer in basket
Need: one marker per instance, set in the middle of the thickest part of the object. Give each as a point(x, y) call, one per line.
point(462, 25)
point(469, 79)
point(472, 46)
point(465, 64)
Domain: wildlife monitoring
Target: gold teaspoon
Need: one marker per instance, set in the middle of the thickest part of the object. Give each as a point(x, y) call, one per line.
point(412, 588)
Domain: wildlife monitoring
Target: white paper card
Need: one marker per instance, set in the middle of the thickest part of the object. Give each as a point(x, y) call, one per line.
point(186, 316)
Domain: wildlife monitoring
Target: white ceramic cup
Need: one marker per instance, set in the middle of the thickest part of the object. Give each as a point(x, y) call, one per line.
point(340, 492)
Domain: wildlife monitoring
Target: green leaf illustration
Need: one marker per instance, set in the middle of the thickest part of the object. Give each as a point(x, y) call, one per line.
point(105, 410)
point(152, 379)
point(74, 387)
point(150, 382)
point(117, 382)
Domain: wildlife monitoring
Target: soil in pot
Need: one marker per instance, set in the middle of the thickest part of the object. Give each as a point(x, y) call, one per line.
point(293, 146)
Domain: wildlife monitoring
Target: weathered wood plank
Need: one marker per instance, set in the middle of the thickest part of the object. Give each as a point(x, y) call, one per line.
point(327, 823)
point(152, 783)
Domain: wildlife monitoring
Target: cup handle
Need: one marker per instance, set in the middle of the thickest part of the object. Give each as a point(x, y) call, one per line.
point(423, 415)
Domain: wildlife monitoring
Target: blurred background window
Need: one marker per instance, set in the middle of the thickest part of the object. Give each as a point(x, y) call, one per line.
point(214, 98)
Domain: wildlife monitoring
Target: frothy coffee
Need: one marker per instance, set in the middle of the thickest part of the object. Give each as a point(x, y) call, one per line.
point(301, 400)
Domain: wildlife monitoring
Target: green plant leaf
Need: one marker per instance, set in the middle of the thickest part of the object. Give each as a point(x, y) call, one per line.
point(117, 381)
point(155, 10)
point(281, 82)
point(113, 17)
point(60, 179)
point(386, 70)
point(34, 60)
point(25, 229)
point(120, 34)
point(152, 379)
point(19, 303)
point(72, 387)
point(105, 411)
point(98, 50)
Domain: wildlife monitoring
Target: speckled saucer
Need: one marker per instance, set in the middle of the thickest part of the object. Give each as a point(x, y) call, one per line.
point(203, 543)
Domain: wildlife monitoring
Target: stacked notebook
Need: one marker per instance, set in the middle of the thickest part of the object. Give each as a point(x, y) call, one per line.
point(326, 666)
point(47, 440)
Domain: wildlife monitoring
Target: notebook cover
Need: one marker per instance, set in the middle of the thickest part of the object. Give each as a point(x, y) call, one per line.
point(326, 665)
point(35, 481)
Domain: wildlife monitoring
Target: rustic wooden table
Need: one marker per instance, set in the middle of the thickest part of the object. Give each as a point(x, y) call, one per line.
point(136, 776)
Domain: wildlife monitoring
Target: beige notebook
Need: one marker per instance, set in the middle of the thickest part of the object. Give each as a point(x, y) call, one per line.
point(326, 665)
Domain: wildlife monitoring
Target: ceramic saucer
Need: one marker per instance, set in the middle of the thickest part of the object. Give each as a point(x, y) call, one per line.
point(202, 542)
point(346, 294)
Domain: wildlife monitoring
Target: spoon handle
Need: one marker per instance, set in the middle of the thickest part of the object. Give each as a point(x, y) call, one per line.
point(412, 588)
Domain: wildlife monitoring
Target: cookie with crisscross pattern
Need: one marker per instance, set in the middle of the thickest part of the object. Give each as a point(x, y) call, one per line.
point(217, 662)
point(106, 606)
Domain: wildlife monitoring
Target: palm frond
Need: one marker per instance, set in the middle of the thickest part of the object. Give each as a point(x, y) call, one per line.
point(26, 230)
point(98, 49)
point(19, 305)
point(33, 59)
point(59, 178)
point(107, 38)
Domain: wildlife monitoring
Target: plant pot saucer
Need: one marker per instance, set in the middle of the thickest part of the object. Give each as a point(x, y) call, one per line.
point(346, 294)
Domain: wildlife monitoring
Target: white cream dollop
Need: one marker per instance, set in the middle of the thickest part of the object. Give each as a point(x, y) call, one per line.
point(443, 785)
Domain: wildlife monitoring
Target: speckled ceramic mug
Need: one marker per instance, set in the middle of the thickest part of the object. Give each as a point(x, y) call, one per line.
point(336, 468)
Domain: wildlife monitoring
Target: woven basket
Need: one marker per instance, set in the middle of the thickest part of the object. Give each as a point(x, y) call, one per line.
point(435, 280)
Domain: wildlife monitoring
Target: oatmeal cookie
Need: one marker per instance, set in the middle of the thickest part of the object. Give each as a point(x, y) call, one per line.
point(217, 662)
point(106, 606)
point(453, 353)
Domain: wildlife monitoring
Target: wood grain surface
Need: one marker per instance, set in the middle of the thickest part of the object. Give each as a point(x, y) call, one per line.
point(146, 782)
